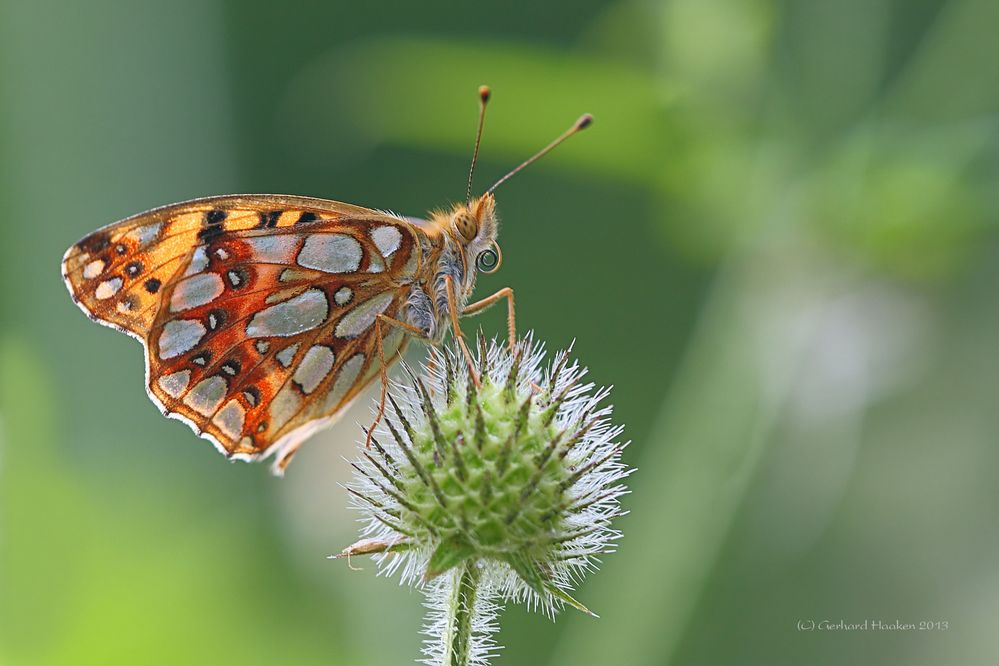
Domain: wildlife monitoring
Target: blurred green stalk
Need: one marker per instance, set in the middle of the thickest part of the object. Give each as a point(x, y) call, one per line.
point(711, 434)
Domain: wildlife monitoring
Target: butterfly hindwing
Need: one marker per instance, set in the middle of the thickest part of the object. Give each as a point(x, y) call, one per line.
point(257, 312)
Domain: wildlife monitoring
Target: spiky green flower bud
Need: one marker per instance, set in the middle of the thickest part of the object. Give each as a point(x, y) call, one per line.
point(507, 485)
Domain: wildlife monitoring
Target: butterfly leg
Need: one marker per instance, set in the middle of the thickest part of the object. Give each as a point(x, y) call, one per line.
point(383, 366)
point(456, 330)
point(511, 322)
point(489, 301)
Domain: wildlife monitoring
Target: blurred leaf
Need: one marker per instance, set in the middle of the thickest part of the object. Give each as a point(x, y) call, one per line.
point(94, 575)
point(903, 204)
point(715, 53)
point(537, 93)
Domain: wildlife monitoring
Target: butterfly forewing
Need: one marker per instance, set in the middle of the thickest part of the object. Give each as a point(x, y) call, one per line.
point(257, 312)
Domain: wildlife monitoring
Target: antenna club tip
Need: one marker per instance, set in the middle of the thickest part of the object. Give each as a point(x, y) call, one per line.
point(484, 93)
point(584, 121)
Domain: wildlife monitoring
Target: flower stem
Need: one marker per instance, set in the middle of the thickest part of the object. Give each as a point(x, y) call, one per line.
point(460, 613)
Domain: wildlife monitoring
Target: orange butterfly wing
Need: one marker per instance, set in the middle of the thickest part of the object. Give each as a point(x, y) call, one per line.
point(256, 312)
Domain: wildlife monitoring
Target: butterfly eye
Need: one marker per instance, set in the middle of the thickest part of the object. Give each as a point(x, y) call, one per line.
point(487, 261)
point(466, 226)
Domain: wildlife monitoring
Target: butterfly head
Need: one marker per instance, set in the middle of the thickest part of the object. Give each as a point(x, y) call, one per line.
point(471, 227)
point(474, 228)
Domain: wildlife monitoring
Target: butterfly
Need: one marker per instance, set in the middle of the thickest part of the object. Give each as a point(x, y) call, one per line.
point(263, 316)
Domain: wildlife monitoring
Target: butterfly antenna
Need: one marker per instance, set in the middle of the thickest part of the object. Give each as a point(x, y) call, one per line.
point(584, 121)
point(484, 94)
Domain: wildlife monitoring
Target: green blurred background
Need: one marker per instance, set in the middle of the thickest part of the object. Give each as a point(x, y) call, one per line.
point(777, 242)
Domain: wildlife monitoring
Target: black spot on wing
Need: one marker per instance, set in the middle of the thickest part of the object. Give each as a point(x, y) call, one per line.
point(216, 318)
point(215, 217)
point(238, 277)
point(269, 219)
point(306, 218)
point(202, 358)
point(208, 234)
point(212, 228)
point(252, 395)
point(152, 285)
point(94, 243)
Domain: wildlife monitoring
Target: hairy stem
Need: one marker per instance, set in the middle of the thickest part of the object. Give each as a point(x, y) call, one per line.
point(460, 612)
